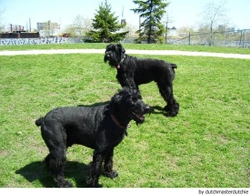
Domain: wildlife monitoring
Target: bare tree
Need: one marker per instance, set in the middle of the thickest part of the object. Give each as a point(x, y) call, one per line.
point(79, 27)
point(131, 29)
point(70, 30)
point(185, 30)
point(168, 20)
point(213, 15)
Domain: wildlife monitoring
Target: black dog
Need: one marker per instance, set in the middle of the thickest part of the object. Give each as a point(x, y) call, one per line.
point(132, 72)
point(100, 127)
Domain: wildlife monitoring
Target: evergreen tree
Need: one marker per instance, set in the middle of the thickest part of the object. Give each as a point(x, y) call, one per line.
point(106, 26)
point(151, 29)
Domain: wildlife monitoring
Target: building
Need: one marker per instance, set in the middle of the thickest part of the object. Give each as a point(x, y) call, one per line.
point(14, 28)
point(49, 28)
point(48, 25)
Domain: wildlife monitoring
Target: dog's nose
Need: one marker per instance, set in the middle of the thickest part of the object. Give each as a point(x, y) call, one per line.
point(107, 54)
point(148, 109)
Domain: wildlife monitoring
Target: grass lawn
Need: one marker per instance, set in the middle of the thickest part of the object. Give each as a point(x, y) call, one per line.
point(206, 145)
point(131, 46)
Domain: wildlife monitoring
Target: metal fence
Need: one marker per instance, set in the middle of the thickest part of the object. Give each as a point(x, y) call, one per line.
point(238, 38)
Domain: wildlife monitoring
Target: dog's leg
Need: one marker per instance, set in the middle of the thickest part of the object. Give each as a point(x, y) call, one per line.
point(127, 80)
point(166, 90)
point(108, 165)
point(56, 163)
point(57, 157)
point(95, 169)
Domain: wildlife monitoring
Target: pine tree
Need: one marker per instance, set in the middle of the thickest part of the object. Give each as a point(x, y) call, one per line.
point(106, 26)
point(151, 29)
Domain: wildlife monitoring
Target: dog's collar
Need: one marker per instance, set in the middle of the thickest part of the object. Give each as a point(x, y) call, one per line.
point(116, 122)
point(119, 64)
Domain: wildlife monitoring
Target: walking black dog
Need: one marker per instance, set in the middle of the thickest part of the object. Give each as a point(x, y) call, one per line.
point(100, 127)
point(132, 71)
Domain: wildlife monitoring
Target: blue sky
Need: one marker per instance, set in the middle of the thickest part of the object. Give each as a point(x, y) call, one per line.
point(182, 12)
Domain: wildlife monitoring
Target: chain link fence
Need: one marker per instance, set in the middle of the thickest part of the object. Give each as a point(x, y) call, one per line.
point(238, 38)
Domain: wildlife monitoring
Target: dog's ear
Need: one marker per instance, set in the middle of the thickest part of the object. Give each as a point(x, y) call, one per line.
point(122, 50)
point(113, 103)
point(108, 46)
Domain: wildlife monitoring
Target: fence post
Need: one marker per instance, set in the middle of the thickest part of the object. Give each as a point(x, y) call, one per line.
point(241, 37)
point(189, 38)
point(244, 38)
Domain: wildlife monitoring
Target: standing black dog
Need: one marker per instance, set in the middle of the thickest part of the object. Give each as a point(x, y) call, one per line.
point(100, 127)
point(132, 72)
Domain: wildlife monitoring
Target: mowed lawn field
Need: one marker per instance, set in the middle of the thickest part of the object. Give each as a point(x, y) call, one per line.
point(206, 145)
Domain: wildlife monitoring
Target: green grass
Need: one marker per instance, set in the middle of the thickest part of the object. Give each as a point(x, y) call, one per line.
point(206, 145)
point(130, 46)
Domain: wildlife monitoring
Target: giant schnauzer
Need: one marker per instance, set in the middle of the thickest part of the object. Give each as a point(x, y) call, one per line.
point(101, 128)
point(132, 71)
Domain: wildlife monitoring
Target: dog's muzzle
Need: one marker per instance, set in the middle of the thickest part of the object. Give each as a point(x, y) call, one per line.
point(107, 56)
point(138, 115)
point(148, 109)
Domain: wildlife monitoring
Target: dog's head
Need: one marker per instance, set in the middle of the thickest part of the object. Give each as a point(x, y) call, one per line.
point(114, 54)
point(127, 105)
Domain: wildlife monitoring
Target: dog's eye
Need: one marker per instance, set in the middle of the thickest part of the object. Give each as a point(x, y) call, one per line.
point(134, 99)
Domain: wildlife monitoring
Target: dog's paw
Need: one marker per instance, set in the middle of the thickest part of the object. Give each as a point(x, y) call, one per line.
point(172, 110)
point(93, 184)
point(65, 184)
point(112, 174)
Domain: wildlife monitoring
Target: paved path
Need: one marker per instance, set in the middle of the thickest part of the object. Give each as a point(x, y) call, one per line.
point(128, 51)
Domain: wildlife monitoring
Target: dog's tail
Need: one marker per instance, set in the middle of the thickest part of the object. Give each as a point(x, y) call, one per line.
point(39, 121)
point(173, 66)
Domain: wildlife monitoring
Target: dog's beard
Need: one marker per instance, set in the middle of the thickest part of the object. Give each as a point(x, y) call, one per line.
point(112, 61)
point(106, 58)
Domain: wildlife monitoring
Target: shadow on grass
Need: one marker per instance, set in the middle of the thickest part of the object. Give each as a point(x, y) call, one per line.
point(38, 171)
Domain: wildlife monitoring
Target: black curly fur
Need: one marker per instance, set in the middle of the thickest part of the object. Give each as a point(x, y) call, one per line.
point(91, 126)
point(132, 71)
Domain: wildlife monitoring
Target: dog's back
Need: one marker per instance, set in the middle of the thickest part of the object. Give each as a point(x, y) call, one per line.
point(148, 69)
point(79, 123)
